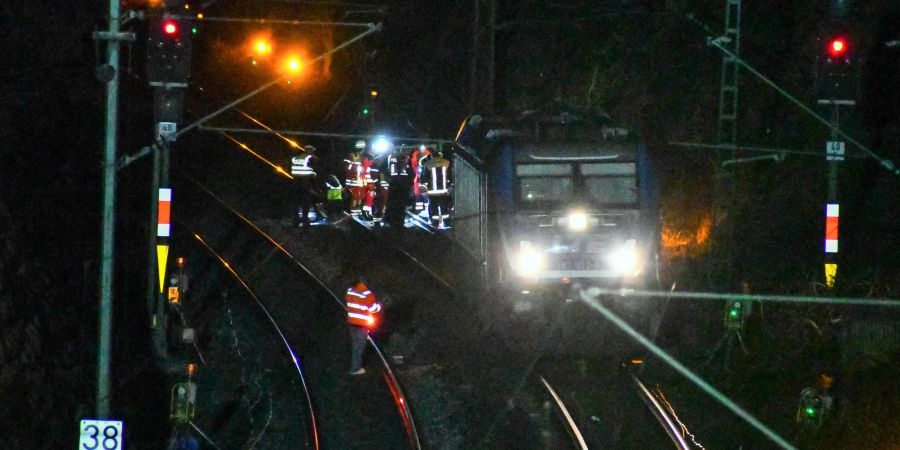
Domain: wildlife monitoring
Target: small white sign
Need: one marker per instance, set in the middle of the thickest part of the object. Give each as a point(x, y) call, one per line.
point(101, 434)
point(834, 151)
point(166, 130)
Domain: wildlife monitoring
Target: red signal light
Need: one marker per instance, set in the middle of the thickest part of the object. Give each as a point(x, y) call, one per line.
point(170, 27)
point(837, 47)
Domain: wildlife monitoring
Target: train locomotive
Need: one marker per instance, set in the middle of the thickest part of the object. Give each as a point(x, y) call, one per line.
point(553, 201)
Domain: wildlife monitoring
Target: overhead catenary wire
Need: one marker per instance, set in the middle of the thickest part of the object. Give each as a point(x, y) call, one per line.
point(323, 134)
point(589, 297)
point(715, 42)
point(262, 21)
point(125, 160)
point(278, 169)
point(754, 297)
point(784, 151)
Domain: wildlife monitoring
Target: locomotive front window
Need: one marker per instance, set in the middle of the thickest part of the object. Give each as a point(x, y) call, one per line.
point(542, 183)
point(610, 183)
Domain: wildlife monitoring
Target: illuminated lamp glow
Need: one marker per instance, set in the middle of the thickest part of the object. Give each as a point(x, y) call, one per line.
point(530, 261)
point(381, 145)
point(624, 259)
point(577, 221)
point(170, 27)
point(837, 47)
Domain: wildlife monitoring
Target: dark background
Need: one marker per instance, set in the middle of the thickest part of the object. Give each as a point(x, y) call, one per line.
point(652, 72)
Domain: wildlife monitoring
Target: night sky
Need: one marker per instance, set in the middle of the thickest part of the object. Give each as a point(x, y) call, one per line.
point(641, 62)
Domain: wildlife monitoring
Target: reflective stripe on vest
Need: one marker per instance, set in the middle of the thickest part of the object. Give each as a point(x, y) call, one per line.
point(361, 305)
point(438, 185)
point(395, 167)
point(354, 171)
point(300, 166)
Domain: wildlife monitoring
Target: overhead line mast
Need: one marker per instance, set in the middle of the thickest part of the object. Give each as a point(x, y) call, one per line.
point(728, 84)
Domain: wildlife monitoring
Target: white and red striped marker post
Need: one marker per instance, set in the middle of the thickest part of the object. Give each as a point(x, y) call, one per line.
point(832, 214)
point(163, 230)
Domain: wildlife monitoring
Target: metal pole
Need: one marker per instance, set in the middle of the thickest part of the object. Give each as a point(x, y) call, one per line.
point(831, 259)
point(833, 164)
point(109, 201)
point(152, 279)
point(163, 182)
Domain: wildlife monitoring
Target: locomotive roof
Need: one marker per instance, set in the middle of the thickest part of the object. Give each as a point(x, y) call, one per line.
point(534, 152)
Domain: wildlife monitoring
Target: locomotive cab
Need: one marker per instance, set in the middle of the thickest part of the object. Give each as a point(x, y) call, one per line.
point(580, 209)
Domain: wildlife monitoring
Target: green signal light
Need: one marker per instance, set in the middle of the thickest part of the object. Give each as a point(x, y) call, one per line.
point(810, 411)
point(365, 111)
point(733, 313)
point(193, 30)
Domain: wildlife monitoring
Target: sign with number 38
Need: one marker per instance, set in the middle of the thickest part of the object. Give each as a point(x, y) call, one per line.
point(100, 434)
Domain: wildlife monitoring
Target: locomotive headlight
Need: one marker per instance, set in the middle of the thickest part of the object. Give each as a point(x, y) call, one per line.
point(530, 261)
point(625, 259)
point(577, 220)
point(381, 144)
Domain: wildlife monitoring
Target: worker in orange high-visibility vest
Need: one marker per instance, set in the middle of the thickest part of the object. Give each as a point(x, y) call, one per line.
point(361, 309)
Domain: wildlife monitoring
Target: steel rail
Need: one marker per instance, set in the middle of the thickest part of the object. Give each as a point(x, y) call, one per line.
point(412, 258)
point(574, 432)
point(288, 346)
point(391, 379)
point(590, 299)
point(660, 414)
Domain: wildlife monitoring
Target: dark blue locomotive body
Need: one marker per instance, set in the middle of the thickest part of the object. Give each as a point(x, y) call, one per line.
point(568, 200)
point(565, 201)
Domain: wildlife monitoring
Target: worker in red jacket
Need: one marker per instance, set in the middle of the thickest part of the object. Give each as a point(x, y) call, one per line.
point(370, 180)
point(416, 160)
point(355, 180)
point(362, 307)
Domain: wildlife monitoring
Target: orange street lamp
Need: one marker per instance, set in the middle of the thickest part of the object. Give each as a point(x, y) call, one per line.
point(294, 65)
point(262, 48)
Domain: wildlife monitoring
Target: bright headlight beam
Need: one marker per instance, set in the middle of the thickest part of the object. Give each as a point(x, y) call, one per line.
point(577, 221)
point(529, 262)
point(381, 145)
point(624, 259)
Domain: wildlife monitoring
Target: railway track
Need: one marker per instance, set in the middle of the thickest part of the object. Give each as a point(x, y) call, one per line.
point(301, 302)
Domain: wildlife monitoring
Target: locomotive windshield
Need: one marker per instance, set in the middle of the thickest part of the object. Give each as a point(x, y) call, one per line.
point(610, 183)
point(544, 183)
point(600, 183)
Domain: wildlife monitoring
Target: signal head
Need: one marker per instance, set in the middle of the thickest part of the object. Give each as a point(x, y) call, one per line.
point(170, 28)
point(837, 47)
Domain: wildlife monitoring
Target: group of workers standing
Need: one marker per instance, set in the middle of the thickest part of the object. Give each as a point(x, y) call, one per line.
point(369, 178)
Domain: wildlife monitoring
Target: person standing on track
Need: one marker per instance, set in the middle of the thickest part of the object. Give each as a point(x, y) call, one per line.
point(303, 171)
point(416, 160)
point(362, 305)
point(437, 176)
point(354, 181)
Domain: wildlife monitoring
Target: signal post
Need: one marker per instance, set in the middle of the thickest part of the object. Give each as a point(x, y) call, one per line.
point(168, 69)
point(836, 87)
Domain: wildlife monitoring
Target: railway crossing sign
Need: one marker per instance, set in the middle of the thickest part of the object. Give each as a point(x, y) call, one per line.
point(101, 434)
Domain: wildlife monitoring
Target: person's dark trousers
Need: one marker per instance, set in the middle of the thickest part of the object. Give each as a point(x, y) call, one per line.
point(305, 195)
point(358, 337)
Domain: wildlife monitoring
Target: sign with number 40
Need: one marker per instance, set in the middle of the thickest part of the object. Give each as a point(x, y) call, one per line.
point(100, 434)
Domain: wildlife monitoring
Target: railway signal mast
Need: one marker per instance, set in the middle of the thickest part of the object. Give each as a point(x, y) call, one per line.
point(168, 70)
point(837, 85)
